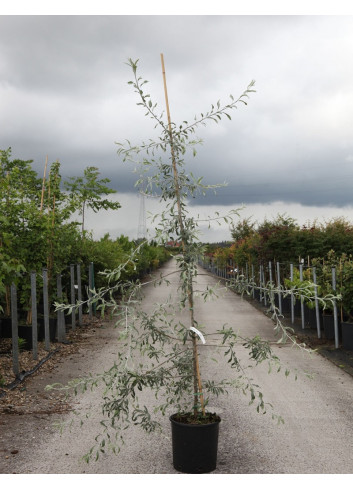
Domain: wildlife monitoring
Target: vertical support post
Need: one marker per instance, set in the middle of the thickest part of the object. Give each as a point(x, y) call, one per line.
point(89, 291)
point(316, 304)
point(93, 286)
point(46, 310)
point(279, 288)
point(34, 315)
point(292, 295)
point(271, 295)
point(252, 280)
point(264, 285)
point(14, 326)
point(301, 297)
point(60, 314)
point(335, 316)
point(79, 294)
point(260, 282)
point(73, 314)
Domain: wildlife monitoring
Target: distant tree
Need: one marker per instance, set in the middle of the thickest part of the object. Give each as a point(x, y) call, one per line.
point(242, 229)
point(86, 192)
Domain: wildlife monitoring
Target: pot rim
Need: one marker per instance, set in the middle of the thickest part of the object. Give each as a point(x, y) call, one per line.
point(194, 425)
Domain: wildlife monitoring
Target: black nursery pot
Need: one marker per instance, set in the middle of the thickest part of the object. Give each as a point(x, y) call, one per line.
point(347, 336)
point(257, 294)
point(52, 329)
point(25, 332)
point(194, 446)
point(329, 326)
point(6, 328)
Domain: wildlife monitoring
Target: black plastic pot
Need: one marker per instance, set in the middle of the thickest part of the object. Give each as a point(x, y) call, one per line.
point(6, 328)
point(347, 336)
point(310, 317)
point(52, 329)
point(328, 322)
point(286, 305)
point(25, 332)
point(194, 446)
point(297, 308)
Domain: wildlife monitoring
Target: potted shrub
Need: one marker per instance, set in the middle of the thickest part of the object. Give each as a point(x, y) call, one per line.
point(326, 287)
point(296, 285)
point(324, 279)
point(169, 347)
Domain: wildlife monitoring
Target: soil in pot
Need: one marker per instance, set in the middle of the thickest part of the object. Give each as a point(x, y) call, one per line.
point(195, 442)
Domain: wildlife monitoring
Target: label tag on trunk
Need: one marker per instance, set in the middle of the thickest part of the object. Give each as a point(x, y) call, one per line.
point(199, 334)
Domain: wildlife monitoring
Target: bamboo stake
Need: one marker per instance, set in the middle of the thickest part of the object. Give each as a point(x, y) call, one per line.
point(198, 383)
point(175, 170)
point(43, 184)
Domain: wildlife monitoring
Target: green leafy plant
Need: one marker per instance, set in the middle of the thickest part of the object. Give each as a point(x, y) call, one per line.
point(87, 191)
point(36, 226)
point(168, 346)
point(21, 344)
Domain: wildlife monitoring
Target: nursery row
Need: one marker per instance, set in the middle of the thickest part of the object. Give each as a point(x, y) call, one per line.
point(40, 323)
point(30, 304)
point(312, 295)
point(283, 240)
point(42, 225)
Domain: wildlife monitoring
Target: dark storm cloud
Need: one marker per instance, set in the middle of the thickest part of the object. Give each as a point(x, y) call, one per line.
point(63, 92)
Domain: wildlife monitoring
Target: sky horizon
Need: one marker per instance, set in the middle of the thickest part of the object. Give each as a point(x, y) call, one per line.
point(64, 94)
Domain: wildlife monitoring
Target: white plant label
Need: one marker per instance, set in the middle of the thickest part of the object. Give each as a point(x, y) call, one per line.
point(199, 334)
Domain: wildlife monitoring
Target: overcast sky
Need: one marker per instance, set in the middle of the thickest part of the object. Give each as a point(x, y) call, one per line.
point(64, 93)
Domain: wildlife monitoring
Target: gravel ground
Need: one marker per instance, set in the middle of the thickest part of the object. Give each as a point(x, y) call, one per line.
point(316, 438)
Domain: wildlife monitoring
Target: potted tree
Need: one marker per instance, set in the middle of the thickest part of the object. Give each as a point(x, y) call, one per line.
point(330, 280)
point(325, 281)
point(169, 347)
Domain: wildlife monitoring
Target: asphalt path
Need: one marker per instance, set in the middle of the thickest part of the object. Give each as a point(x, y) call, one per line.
point(316, 437)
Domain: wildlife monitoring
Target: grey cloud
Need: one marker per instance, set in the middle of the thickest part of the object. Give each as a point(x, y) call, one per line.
point(64, 92)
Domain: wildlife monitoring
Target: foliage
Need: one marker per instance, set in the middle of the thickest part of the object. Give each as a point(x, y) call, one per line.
point(242, 230)
point(283, 240)
point(37, 229)
point(86, 192)
point(343, 265)
point(108, 254)
point(157, 350)
point(295, 284)
point(21, 344)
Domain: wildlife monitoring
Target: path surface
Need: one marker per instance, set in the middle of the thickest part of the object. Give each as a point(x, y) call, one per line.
point(317, 436)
